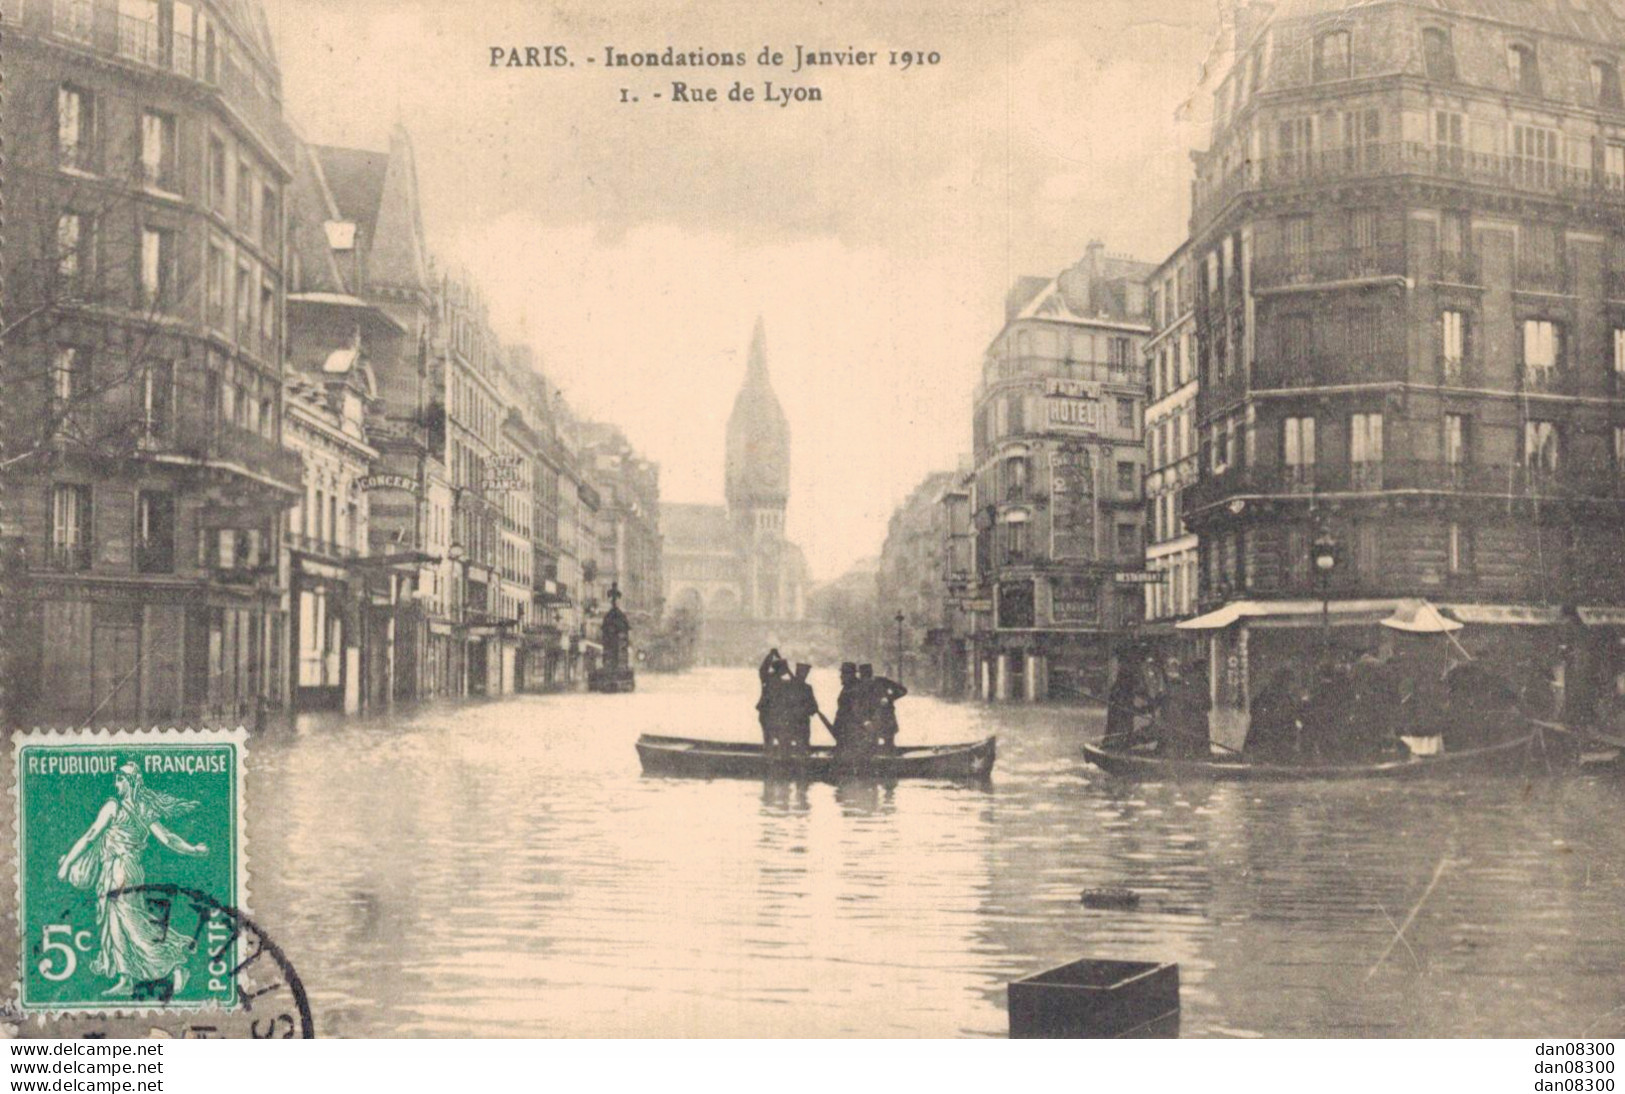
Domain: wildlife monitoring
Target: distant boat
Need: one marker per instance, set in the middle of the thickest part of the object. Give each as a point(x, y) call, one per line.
point(1149, 766)
point(729, 760)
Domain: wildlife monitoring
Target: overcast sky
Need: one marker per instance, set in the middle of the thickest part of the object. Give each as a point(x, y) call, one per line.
point(876, 231)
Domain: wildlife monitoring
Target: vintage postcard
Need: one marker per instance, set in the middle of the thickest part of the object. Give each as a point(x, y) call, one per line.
point(1033, 518)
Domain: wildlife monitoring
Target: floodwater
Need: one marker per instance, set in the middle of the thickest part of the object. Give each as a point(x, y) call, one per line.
point(503, 869)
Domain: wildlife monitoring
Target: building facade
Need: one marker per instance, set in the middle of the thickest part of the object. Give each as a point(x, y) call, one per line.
point(1058, 481)
point(147, 167)
point(332, 647)
point(1170, 443)
point(629, 544)
point(913, 583)
point(1410, 313)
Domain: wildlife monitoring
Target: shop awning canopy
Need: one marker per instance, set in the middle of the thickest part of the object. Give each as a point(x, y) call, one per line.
point(1602, 617)
point(1420, 617)
point(1237, 610)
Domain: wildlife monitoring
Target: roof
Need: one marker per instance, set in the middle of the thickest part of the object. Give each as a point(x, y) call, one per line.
point(686, 525)
point(378, 192)
point(1594, 20)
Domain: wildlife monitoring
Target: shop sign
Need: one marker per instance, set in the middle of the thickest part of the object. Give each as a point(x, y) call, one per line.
point(1074, 602)
point(1140, 577)
point(387, 481)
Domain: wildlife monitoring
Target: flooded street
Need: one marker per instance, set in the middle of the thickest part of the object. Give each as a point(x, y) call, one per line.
point(505, 869)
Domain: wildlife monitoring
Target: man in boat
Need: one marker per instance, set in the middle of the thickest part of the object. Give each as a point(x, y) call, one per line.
point(846, 707)
point(1126, 698)
point(775, 675)
point(1182, 728)
point(886, 694)
point(857, 715)
point(799, 707)
point(1372, 719)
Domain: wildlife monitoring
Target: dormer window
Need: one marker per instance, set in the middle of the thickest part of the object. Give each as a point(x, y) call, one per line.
point(1524, 69)
point(1438, 54)
point(1605, 84)
point(1332, 56)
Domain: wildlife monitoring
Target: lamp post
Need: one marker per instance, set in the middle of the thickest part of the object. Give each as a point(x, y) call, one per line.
point(1324, 555)
point(899, 647)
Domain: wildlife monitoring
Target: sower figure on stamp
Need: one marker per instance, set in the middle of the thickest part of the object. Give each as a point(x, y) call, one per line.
point(107, 858)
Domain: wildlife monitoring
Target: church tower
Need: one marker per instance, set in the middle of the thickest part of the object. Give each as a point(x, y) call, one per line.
point(758, 480)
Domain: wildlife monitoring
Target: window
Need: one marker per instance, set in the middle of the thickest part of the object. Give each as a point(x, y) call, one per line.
point(70, 527)
point(270, 219)
point(1364, 335)
point(157, 398)
point(1452, 344)
point(1540, 445)
point(245, 197)
point(1363, 229)
point(154, 532)
point(1296, 236)
point(1459, 548)
point(1332, 56)
point(1619, 351)
point(67, 380)
point(1456, 439)
point(1605, 84)
point(1365, 451)
point(1015, 541)
point(1524, 70)
point(1118, 350)
point(1128, 542)
point(1015, 478)
point(1125, 413)
point(158, 151)
point(1362, 136)
point(1296, 143)
point(1438, 55)
point(1542, 351)
point(1448, 145)
point(1128, 482)
point(75, 129)
point(217, 285)
point(157, 267)
point(75, 252)
point(1619, 448)
point(1367, 550)
point(1298, 450)
point(245, 301)
point(1534, 156)
point(217, 173)
point(267, 315)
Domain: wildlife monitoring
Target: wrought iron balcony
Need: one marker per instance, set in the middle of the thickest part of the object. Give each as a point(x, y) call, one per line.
point(1418, 158)
point(70, 557)
point(318, 545)
point(1321, 267)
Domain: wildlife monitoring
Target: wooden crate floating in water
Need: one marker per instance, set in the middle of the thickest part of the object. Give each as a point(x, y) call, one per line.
point(1097, 998)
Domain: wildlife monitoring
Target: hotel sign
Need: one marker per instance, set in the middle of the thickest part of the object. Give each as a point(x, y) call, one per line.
point(1073, 406)
point(502, 473)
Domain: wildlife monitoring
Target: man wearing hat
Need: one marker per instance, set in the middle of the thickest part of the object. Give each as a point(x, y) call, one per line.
point(800, 705)
point(849, 707)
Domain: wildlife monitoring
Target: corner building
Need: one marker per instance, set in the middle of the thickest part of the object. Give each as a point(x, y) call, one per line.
point(1409, 243)
point(1057, 487)
point(147, 162)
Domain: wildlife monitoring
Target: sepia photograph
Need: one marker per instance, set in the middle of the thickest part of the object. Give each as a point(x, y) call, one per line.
point(948, 519)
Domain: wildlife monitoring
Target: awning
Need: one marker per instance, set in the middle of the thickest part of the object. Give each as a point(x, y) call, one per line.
point(1602, 617)
point(1505, 614)
point(1238, 610)
point(1420, 617)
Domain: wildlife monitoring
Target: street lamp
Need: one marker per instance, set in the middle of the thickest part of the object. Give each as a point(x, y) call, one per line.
point(1323, 552)
point(899, 647)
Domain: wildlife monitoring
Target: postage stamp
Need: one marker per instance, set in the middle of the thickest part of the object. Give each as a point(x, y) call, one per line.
point(130, 869)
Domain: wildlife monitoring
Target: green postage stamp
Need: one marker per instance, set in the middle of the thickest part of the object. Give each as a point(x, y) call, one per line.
point(130, 869)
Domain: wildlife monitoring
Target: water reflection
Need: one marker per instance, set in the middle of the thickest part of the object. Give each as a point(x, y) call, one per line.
point(504, 869)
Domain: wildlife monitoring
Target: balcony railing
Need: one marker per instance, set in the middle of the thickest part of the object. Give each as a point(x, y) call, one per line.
point(1459, 268)
point(1319, 267)
point(228, 444)
point(70, 558)
point(1540, 380)
point(1542, 276)
point(1544, 177)
point(318, 545)
point(1497, 480)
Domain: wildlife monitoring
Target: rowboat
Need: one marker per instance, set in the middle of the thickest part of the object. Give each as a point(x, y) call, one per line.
point(1145, 765)
point(738, 760)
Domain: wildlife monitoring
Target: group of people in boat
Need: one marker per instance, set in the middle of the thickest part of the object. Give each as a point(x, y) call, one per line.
point(1354, 706)
point(865, 720)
